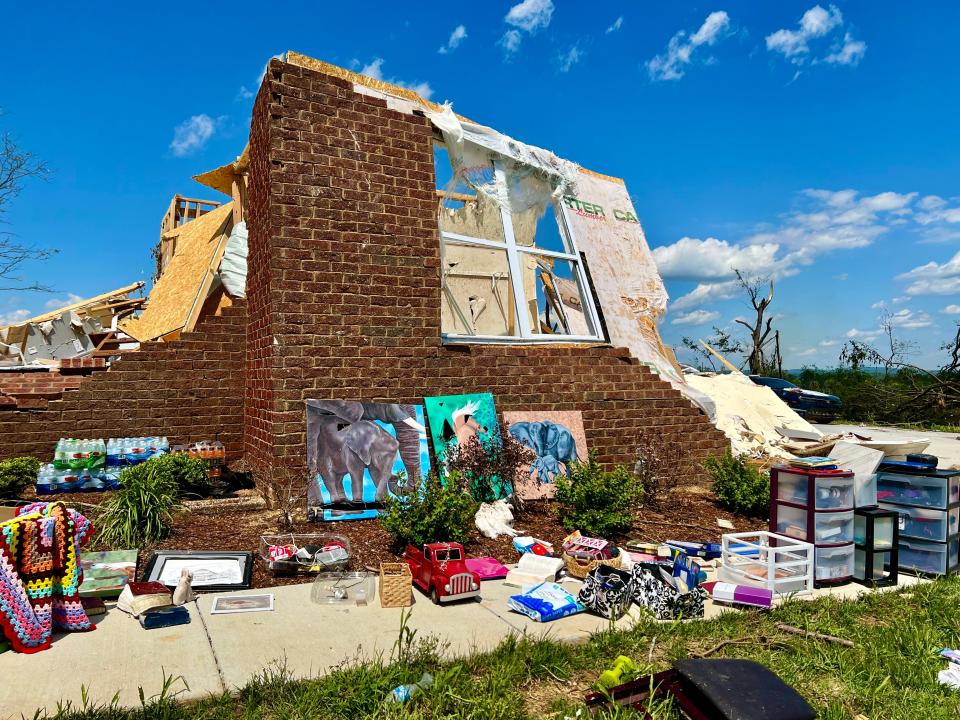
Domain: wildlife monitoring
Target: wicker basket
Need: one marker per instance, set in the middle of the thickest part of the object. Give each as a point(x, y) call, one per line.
point(396, 585)
point(579, 568)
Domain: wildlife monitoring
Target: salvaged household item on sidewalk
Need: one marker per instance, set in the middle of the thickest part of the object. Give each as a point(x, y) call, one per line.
point(876, 535)
point(707, 689)
point(213, 571)
point(308, 553)
point(545, 602)
point(343, 588)
point(927, 500)
point(106, 573)
point(141, 597)
point(357, 452)
point(164, 617)
point(815, 504)
point(534, 569)
point(607, 592)
point(396, 585)
point(440, 573)
point(488, 568)
point(862, 462)
point(654, 588)
point(766, 560)
point(40, 575)
point(739, 594)
point(228, 604)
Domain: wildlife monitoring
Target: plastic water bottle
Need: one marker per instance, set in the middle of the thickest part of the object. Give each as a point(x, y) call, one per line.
point(60, 454)
point(402, 693)
point(47, 480)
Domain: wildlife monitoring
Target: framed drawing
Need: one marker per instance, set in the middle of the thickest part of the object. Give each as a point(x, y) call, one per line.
point(213, 571)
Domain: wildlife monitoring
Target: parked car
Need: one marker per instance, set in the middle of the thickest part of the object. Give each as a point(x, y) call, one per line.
point(439, 571)
point(810, 404)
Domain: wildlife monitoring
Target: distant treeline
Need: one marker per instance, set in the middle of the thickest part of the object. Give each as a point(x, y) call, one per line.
point(903, 396)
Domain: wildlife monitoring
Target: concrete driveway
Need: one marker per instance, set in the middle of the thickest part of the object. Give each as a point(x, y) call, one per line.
point(945, 446)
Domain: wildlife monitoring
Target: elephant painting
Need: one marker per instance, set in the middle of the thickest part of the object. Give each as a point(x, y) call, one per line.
point(368, 444)
point(558, 440)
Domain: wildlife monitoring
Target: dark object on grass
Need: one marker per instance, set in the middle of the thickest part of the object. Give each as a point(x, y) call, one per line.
point(713, 690)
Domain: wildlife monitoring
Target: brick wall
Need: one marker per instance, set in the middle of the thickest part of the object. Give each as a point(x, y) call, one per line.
point(34, 389)
point(190, 389)
point(345, 192)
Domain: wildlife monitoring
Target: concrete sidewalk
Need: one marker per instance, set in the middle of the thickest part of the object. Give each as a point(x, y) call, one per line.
point(223, 652)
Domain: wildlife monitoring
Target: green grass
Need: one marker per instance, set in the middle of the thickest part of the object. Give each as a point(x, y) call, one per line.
point(890, 674)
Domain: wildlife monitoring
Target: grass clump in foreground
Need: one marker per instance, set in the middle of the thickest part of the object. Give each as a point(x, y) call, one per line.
point(891, 673)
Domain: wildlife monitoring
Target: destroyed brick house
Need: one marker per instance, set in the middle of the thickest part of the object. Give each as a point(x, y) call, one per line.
point(378, 247)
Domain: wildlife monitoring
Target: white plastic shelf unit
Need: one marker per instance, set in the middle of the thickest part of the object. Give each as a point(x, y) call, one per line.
point(816, 506)
point(764, 559)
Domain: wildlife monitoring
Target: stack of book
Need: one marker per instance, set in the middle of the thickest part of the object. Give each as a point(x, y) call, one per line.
point(815, 463)
point(152, 604)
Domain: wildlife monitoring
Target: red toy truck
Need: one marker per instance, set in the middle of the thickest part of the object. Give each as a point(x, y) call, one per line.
point(440, 572)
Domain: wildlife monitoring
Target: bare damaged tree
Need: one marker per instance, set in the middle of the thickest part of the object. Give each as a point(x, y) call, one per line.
point(761, 327)
point(17, 165)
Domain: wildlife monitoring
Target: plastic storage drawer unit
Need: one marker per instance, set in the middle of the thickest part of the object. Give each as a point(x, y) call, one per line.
point(929, 557)
point(928, 491)
point(922, 524)
point(833, 564)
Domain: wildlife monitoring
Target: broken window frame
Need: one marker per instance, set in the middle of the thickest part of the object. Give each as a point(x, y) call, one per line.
point(514, 251)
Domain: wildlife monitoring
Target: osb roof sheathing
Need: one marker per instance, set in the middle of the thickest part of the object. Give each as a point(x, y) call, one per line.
point(221, 178)
point(295, 58)
point(178, 290)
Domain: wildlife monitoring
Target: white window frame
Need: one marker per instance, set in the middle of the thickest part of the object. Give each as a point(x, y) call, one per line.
point(526, 334)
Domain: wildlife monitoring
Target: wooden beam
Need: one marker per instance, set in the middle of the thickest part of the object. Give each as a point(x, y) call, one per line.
point(721, 358)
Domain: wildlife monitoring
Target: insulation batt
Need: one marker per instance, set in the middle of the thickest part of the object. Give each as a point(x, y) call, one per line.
point(495, 519)
point(749, 414)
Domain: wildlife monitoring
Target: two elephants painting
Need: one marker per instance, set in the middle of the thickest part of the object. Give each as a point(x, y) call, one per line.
point(359, 451)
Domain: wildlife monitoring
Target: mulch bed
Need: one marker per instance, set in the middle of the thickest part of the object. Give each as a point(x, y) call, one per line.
point(688, 513)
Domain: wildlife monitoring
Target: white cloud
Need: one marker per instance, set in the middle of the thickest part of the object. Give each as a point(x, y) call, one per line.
point(192, 135)
point(828, 343)
point(855, 334)
point(693, 259)
point(841, 277)
point(671, 65)
point(14, 316)
point(697, 317)
point(951, 310)
point(931, 202)
point(851, 52)
point(934, 278)
point(458, 35)
point(817, 24)
point(374, 69)
point(245, 93)
point(705, 293)
point(570, 58)
point(617, 24)
point(910, 320)
point(510, 41)
point(806, 353)
point(55, 303)
point(879, 305)
point(530, 15)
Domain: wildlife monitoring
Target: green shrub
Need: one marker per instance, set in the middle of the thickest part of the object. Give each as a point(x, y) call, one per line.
point(16, 474)
point(435, 512)
point(189, 474)
point(739, 486)
point(595, 501)
point(141, 511)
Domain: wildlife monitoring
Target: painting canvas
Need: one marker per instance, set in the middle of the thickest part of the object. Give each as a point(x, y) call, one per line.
point(106, 573)
point(357, 452)
point(454, 419)
point(557, 438)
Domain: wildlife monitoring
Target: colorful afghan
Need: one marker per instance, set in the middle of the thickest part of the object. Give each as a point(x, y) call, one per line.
point(40, 575)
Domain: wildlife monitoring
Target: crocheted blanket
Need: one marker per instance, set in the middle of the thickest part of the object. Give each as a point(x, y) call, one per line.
point(40, 575)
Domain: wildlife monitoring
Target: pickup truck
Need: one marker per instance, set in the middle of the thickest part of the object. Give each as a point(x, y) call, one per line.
point(439, 571)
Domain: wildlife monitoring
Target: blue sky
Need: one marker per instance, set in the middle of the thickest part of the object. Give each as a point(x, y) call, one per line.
point(816, 143)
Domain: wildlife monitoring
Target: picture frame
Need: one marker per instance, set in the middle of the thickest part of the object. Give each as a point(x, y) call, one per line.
point(231, 604)
point(213, 571)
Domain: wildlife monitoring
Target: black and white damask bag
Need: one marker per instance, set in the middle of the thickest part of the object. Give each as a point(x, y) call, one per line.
point(607, 591)
point(652, 591)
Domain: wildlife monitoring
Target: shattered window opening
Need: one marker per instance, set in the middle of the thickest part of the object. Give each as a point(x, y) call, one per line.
point(510, 268)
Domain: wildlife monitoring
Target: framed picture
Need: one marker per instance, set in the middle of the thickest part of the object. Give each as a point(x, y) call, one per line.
point(106, 573)
point(358, 452)
point(228, 604)
point(213, 571)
